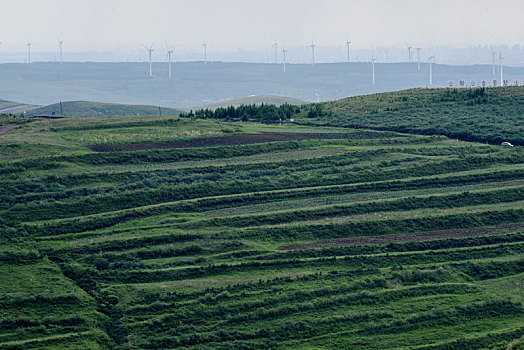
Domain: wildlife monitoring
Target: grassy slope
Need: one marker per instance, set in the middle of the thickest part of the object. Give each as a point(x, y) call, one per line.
point(7, 104)
point(85, 108)
point(186, 247)
point(467, 114)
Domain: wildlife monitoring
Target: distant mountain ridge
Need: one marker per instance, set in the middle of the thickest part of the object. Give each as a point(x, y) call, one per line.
point(196, 84)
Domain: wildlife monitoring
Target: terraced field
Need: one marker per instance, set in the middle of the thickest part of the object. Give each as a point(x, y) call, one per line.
point(307, 238)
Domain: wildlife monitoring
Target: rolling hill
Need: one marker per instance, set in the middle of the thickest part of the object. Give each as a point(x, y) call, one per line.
point(156, 232)
point(98, 109)
point(490, 115)
point(7, 104)
point(9, 107)
point(487, 115)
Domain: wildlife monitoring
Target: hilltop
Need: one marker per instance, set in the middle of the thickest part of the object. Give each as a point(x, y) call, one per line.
point(98, 109)
point(10, 107)
point(7, 104)
point(488, 115)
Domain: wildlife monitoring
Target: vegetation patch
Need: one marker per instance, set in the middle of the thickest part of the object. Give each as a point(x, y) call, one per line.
point(137, 232)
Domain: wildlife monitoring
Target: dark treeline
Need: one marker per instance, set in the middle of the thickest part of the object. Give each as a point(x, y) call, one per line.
point(263, 112)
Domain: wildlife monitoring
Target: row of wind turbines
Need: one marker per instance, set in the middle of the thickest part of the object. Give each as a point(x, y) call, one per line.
point(60, 43)
point(150, 50)
point(373, 60)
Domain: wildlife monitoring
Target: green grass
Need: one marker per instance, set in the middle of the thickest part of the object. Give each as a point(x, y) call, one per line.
point(362, 240)
point(90, 109)
point(495, 113)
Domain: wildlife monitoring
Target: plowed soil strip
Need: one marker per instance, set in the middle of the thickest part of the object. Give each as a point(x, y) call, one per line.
point(412, 237)
point(228, 140)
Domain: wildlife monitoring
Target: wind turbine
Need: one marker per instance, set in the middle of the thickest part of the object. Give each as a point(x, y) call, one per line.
point(430, 69)
point(150, 50)
point(60, 41)
point(169, 52)
point(275, 46)
point(373, 60)
point(409, 53)
point(28, 52)
point(284, 50)
point(493, 57)
point(204, 45)
point(312, 46)
point(418, 56)
point(501, 69)
point(347, 45)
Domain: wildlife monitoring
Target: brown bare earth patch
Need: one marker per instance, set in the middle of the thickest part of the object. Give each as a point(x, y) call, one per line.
point(5, 129)
point(411, 237)
point(230, 140)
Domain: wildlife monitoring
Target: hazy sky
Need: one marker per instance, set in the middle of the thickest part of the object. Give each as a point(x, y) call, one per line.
point(225, 24)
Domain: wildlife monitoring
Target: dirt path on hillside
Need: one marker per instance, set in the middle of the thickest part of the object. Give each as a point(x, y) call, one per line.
point(16, 109)
point(5, 129)
point(411, 237)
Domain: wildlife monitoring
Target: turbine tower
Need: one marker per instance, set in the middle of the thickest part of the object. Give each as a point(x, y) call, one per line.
point(373, 60)
point(169, 52)
point(150, 50)
point(409, 53)
point(430, 58)
point(284, 58)
point(204, 45)
point(347, 46)
point(28, 52)
point(275, 46)
point(312, 46)
point(418, 57)
point(501, 69)
point(493, 57)
point(60, 42)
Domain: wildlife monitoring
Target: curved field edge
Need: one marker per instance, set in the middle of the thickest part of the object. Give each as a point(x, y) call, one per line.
point(393, 240)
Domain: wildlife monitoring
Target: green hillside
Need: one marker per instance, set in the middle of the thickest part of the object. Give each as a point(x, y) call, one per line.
point(256, 100)
point(97, 109)
point(9, 107)
point(158, 232)
point(487, 115)
point(7, 104)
